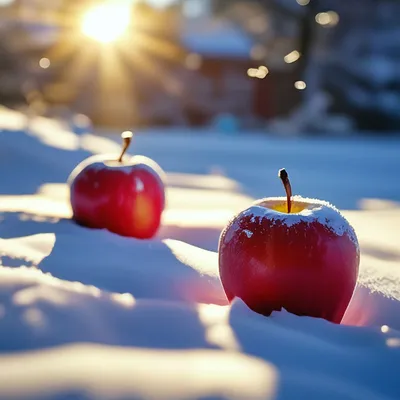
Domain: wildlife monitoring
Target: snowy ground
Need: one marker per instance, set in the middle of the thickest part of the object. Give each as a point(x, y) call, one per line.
point(86, 314)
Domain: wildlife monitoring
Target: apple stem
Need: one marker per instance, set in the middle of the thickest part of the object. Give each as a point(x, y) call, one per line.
point(288, 188)
point(127, 138)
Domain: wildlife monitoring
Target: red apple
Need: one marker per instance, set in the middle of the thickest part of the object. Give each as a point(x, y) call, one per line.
point(125, 196)
point(296, 253)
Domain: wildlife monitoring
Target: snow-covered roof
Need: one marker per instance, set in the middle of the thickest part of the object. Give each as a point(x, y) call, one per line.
point(216, 39)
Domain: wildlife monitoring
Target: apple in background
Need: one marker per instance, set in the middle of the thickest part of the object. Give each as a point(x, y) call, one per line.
point(125, 196)
point(295, 253)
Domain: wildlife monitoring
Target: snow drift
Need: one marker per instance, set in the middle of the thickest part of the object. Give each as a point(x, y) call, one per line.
point(88, 314)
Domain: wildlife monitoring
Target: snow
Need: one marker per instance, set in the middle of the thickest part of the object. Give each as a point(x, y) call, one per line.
point(315, 210)
point(139, 185)
point(88, 314)
point(248, 233)
point(342, 171)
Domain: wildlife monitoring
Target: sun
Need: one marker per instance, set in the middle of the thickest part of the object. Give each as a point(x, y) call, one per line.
point(124, 50)
point(107, 22)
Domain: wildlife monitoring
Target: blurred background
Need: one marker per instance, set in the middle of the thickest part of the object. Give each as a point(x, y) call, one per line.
point(287, 67)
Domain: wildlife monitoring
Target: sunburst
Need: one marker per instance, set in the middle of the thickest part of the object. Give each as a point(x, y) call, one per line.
point(116, 45)
point(106, 22)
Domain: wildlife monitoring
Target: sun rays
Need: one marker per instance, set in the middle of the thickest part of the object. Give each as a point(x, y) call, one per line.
point(104, 52)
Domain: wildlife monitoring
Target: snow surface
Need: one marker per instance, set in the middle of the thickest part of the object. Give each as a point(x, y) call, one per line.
point(86, 314)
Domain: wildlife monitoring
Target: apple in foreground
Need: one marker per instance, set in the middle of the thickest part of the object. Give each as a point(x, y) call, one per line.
point(126, 197)
point(296, 254)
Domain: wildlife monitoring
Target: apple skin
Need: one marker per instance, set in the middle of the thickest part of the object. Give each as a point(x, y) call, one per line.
point(306, 263)
point(126, 198)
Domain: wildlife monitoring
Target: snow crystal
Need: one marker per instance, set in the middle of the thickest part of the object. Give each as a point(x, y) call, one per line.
point(139, 184)
point(248, 233)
